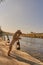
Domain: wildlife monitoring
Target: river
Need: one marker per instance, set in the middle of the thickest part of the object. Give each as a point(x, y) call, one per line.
point(33, 46)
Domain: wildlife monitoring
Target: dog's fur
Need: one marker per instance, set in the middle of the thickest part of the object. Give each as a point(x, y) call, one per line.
point(15, 38)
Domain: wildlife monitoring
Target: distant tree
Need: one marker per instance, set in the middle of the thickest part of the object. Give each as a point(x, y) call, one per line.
point(31, 32)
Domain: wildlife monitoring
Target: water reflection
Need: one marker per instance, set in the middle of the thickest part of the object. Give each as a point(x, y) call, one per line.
point(33, 46)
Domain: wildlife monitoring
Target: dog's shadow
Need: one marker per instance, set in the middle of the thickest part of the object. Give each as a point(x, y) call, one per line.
point(19, 58)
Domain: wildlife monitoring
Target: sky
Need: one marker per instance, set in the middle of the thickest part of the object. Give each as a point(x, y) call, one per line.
point(26, 15)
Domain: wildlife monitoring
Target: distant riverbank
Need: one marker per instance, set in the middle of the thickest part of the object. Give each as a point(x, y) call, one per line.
point(33, 35)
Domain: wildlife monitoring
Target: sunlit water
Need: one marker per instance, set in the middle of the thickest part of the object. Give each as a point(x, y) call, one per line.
point(33, 46)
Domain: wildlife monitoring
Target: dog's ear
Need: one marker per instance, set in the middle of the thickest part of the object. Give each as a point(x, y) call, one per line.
point(19, 31)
